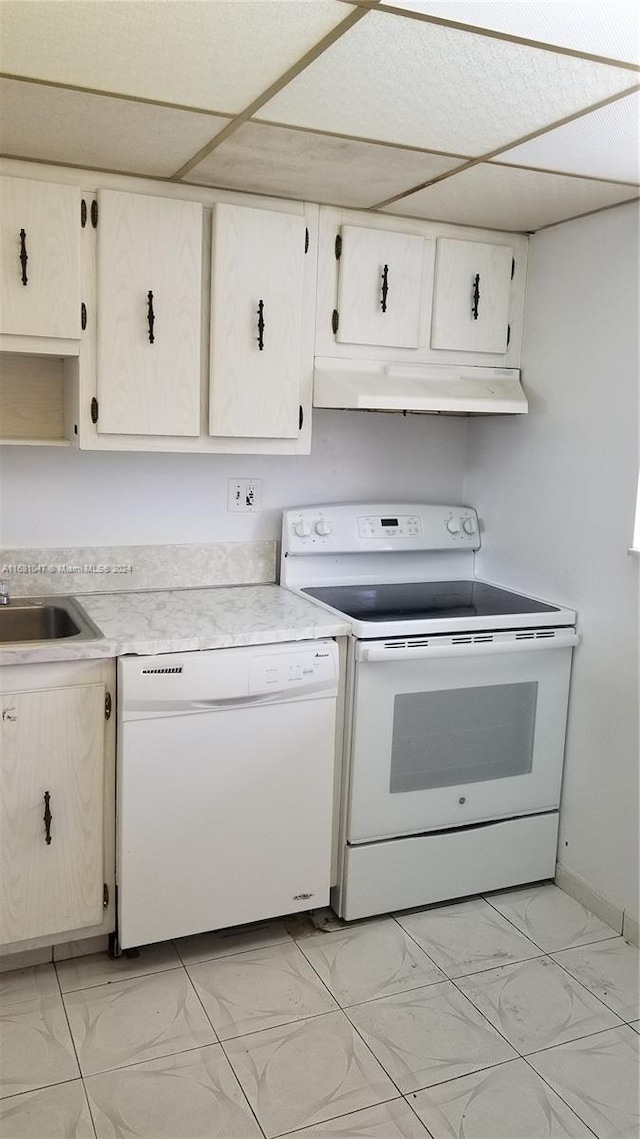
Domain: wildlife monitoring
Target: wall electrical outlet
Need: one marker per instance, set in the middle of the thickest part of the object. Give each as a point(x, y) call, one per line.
point(243, 495)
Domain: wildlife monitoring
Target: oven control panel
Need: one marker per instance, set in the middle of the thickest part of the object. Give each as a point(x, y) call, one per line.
point(398, 526)
point(372, 527)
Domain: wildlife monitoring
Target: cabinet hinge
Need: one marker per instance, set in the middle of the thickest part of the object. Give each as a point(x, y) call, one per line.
point(107, 706)
point(83, 213)
point(105, 895)
point(338, 246)
point(335, 319)
point(508, 334)
point(300, 418)
point(513, 267)
point(306, 240)
point(94, 410)
point(94, 213)
point(83, 316)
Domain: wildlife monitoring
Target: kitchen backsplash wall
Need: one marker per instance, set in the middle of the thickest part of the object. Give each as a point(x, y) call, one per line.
point(94, 569)
point(65, 498)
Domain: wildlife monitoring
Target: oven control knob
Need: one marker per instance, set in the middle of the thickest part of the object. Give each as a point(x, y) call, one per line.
point(453, 526)
point(302, 529)
point(323, 527)
point(469, 525)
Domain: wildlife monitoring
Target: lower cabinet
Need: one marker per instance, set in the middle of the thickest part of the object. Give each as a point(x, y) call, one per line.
point(56, 763)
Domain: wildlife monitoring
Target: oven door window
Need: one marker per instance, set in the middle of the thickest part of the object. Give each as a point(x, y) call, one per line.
point(462, 735)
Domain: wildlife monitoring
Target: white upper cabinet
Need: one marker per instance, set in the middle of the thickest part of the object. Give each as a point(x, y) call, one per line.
point(39, 259)
point(471, 296)
point(149, 295)
point(379, 287)
point(257, 277)
point(403, 290)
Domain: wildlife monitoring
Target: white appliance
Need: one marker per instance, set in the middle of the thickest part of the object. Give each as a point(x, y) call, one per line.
point(225, 787)
point(457, 703)
point(371, 385)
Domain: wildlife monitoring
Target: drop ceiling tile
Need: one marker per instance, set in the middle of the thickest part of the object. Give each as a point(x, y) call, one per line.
point(402, 80)
point(597, 27)
point(505, 197)
point(52, 124)
point(603, 144)
point(296, 164)
point(212, 54)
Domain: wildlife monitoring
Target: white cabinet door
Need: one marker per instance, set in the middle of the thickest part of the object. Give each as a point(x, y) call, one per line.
point(149, 315)
point(39, 259)
point(379, 287)
point(256, 322)
point(52, 756)
point(471, 296)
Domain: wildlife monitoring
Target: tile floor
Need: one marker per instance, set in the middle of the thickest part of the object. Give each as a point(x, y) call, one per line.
point(508, 1017)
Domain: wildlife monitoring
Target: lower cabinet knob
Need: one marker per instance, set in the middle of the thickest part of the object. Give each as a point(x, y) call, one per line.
point(469, 525)
point(453, 526)
point(302, 529)
point(323, 527)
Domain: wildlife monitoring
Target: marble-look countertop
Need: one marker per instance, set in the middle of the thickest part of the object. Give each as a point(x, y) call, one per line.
point(184, 620)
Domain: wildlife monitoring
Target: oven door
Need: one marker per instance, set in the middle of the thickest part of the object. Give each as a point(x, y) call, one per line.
point(450, 731)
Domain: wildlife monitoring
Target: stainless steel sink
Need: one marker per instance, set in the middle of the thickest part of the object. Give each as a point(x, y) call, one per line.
point(45, 619)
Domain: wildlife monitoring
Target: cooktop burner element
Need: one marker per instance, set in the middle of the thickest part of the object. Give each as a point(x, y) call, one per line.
point(422, 600)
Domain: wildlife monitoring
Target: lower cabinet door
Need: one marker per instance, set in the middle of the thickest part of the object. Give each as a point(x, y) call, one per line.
point(51, 811)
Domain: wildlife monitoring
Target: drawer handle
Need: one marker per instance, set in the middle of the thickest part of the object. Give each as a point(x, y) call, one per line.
point(476, 296)
point(47, 817)
point(385, 288)
point(151, 316)
point(260, 336)
point(23, 256)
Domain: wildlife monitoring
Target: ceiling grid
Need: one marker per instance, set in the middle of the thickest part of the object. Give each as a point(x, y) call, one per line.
point(511, 116)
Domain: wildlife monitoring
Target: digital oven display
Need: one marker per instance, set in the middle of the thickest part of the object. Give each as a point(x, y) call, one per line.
point(388, 521)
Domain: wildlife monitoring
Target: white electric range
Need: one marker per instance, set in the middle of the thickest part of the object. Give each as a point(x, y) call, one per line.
point(456, 706)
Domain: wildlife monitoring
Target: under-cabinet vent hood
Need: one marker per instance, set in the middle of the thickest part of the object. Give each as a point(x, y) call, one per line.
point(370, 385)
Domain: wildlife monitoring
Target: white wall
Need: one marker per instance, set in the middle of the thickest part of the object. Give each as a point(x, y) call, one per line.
point(556, 491)
point(55, 497)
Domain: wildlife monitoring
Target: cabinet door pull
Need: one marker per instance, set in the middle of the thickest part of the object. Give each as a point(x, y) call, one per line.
point(260, 336)
point(23, 256)
point(47, 817)
point(385, 288)
point(151, 316)
point(476, 296)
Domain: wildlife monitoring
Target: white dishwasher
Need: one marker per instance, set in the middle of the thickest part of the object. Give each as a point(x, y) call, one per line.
point(225, 787)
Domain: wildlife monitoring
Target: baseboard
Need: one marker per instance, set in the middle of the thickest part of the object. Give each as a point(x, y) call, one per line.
point(631, 927)
point(579, 889)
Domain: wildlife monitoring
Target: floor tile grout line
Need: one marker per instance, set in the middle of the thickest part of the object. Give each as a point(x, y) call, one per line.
point(412, 938)
point(233, 952)
point(338, 1118)
point(574, 1040)
point(118, 980)
point(39, 1088)
point(609, 937)
point(220, 1043)
point(560, 1096)
point(91, 1115)
point(66, 1016)
point(585, 986)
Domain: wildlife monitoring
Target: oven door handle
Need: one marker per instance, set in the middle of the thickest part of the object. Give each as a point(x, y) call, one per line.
point(388, 651)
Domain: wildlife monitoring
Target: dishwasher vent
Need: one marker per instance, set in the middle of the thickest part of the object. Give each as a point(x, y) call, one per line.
point(162, 671)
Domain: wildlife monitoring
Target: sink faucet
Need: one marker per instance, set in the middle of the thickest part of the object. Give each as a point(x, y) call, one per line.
point(4, 591)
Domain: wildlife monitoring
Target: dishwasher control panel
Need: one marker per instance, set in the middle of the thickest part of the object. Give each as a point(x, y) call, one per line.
point(310, 666)
point(174, 684)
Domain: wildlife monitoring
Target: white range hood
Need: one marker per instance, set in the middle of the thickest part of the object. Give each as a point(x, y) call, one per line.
point(370, 385)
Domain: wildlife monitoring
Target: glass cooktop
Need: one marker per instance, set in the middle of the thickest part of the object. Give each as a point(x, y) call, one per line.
point(406, 601)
